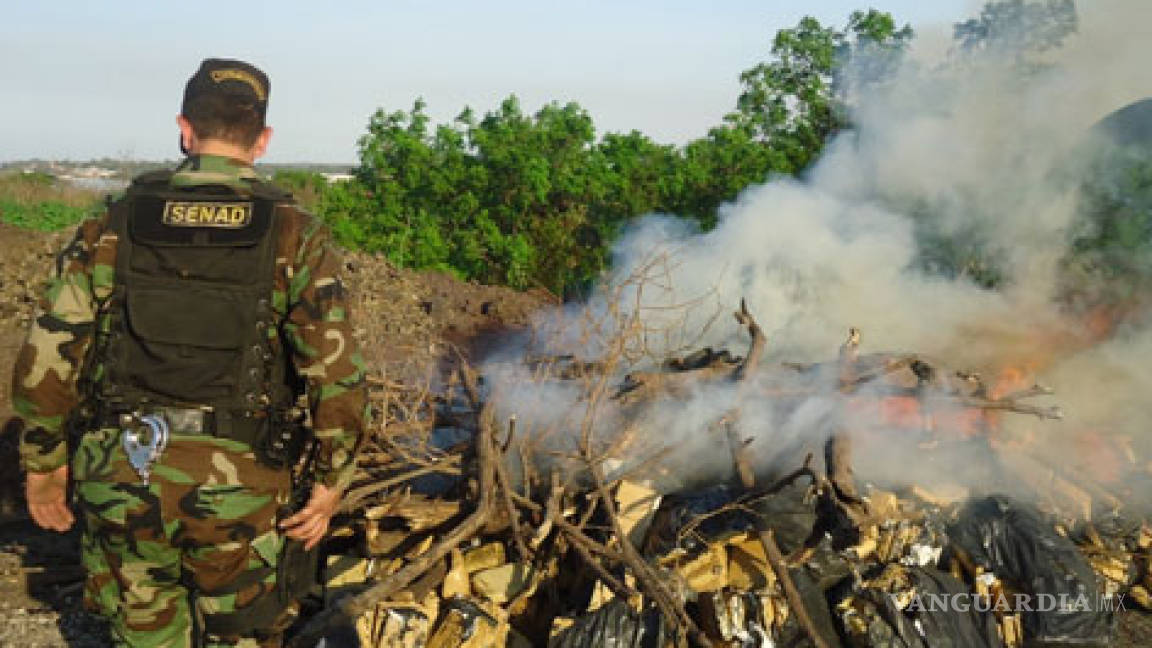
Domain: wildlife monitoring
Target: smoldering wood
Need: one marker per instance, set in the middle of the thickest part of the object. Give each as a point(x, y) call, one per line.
point(1052, 412)
point(755, 349)
point(544, 518)
point(1030, 392)
point(705, 358)
point(355, 497)
point(838, 447)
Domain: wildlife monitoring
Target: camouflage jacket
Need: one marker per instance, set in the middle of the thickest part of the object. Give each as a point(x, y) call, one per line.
point(308, 295)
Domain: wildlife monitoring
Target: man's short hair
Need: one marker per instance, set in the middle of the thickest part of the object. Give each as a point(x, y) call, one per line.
point(227, 99)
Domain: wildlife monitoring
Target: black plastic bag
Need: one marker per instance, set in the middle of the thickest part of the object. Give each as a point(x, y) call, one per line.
point(1014, 542)
point(696, 509)
point(926, 621)
point(615, 625)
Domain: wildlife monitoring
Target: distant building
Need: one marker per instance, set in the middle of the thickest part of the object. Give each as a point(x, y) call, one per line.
point(333, 178)
point(93, 172)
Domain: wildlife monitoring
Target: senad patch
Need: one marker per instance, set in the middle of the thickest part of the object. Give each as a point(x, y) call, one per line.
point(224, 215)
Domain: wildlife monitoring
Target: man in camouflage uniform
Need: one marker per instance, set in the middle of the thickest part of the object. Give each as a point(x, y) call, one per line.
point(186, 528)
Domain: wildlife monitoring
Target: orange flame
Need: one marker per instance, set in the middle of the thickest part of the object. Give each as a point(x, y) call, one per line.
point(1013, 379)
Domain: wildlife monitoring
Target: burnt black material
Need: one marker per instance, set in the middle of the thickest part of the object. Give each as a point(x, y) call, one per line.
point(925, 624)
point(615, 625)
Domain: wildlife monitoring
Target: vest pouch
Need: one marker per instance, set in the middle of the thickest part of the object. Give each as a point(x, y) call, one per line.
point(185, 342)
point(233, 265)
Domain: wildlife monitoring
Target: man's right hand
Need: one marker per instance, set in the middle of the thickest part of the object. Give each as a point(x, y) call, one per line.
point(47, 499)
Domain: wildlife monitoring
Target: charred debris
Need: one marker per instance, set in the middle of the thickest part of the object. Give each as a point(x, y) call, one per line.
point(461, 533)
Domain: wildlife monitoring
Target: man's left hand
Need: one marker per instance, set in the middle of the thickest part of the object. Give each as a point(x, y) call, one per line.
point(310, 523)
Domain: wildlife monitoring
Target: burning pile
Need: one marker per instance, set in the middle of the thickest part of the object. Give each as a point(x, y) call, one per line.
point(472, 533)
point(655, 493)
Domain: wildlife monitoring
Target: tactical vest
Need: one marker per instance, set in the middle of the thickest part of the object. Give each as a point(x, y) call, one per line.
point(190, 323)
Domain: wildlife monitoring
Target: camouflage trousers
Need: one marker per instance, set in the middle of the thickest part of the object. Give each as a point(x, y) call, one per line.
point(177, 562)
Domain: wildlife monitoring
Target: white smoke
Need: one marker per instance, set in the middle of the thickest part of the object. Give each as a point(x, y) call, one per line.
point(975, 146)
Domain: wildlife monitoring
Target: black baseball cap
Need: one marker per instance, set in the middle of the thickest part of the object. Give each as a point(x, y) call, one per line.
point(228, 81)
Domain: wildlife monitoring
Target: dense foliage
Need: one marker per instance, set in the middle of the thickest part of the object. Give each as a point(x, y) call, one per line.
point(1018, 28)
point(1110, 261)
point(534, 199)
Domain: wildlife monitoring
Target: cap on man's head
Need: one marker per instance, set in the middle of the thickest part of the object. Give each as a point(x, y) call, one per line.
point(227, 81)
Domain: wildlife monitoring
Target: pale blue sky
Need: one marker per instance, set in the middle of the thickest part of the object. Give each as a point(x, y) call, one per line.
point(92, 79)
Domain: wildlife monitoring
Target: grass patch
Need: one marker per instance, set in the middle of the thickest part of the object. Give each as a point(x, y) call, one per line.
point(40, 202)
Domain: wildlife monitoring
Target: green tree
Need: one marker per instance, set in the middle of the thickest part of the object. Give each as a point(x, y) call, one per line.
point(307, 187)
point(794, 101)
point(388, 209)
point(542, 174)
point(1110, 258)
point(1019, 29)
point(510, 198)
point(536, 199)
point(640, 176)
point(787, 102)
point(719, 166)
point(869, 51)
point(1012, 33)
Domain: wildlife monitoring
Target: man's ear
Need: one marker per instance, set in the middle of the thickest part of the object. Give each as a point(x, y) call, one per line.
point(187, 134)
point(261, 144)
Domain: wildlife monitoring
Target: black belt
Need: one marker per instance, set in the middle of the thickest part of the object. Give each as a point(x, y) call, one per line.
point(198, 421)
